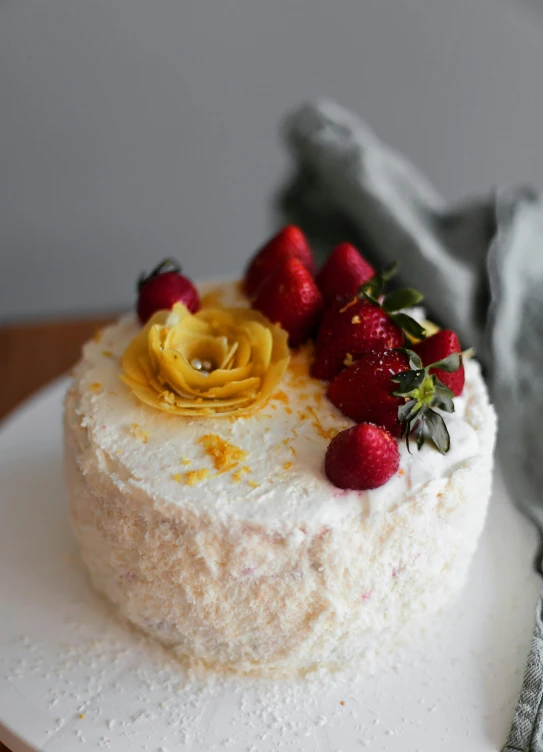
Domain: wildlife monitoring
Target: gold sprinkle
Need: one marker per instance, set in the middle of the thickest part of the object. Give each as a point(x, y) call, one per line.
point(225, 456)
point(293, 451)
point(355, 320)
point(96, 387)
point(177, 477)
point(81, 715)
point(287, 465)
point(288, 411)
point(253, 484)
point(138, 433)
point(185, 461)
point(107, 353)
point(348, 360)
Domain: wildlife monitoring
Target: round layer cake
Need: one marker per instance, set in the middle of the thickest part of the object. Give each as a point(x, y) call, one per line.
point(222, 537)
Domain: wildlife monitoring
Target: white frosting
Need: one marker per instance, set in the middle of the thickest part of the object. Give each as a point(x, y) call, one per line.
point(272, 437)
point(285, 575)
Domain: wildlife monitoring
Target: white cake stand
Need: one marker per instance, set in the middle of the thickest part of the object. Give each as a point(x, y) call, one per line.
point(73, 677)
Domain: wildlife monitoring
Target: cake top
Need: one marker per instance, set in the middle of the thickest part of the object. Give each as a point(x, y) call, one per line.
point(265, 466)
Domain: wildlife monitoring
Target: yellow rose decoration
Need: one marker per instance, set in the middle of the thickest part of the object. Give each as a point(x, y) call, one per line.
point(215, 362)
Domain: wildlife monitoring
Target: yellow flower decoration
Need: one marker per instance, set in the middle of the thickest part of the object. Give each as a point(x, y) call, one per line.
point(215, 362)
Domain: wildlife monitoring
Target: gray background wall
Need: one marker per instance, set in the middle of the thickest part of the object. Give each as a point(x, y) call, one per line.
point(134, 129)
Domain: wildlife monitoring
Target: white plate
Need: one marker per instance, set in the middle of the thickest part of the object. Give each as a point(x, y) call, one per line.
point(62, 654)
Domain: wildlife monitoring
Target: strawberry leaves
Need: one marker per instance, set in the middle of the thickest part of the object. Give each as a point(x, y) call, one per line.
point(399, 299)
point(423, 391)
point(374, 287)
point(394, 302)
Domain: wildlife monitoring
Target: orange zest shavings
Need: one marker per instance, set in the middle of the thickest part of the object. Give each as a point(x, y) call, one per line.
point(326, 433)
point(281, 396)
point(225, 455)
point(192, 477)
point(238, 475)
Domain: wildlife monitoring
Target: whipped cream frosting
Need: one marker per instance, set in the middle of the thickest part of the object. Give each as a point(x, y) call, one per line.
point(281, 480)
point(266, 566)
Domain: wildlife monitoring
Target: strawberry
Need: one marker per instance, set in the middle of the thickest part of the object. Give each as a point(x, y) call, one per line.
point(438, 347)
point(163, 287)
point(362, 457)
point(393, 389)
point(290, 241)
point(343, 273)
point(348, 330)
point(363, 392)
point(290, 297)
point(352, 327)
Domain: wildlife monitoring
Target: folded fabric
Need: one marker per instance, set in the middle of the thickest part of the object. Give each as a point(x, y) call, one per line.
point(480, 266)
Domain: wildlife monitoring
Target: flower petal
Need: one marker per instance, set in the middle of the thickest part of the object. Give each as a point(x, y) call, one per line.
point(249, 353)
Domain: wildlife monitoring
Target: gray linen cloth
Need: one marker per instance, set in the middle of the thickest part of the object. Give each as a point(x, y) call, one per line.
point(480, 267)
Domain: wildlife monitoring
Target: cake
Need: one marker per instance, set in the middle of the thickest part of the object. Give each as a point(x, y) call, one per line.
point(221, 536)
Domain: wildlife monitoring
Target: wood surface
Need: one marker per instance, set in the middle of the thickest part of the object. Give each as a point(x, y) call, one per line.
point(33, 354)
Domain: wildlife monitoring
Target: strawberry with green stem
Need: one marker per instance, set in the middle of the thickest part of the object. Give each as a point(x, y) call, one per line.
point(420, 392)
point(367, 392)
point(368, 321)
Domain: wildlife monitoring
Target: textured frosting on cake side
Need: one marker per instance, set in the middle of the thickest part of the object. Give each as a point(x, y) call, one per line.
point(223, 537)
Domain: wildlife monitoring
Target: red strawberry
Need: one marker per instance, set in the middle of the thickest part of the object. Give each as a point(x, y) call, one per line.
point(163, 287)
point(343, 273)
point(290, 297)
point(363, 392)
point(394, 390)
point(289, 242)
point(350, 329)
point(437, 347)
point(367, 322)
point(362, 457)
